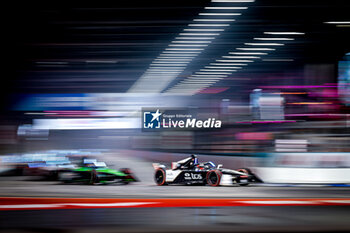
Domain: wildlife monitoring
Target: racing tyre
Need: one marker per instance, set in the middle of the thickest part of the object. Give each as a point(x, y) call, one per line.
point(159, 177)
point(93, 178)
point(254, 178)
point(246, 171)
point(130, 175)
point(214, 177)
point(125, 170)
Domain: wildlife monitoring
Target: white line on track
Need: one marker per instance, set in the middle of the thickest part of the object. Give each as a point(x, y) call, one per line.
point(279, 202)
point(336, 201)
point(121, 204)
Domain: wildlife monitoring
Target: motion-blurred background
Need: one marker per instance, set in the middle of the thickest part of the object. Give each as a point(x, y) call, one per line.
point(76, 76)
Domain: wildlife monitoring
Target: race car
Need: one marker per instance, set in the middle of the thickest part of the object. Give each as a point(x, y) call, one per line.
point(93, 172)
point(189, 171)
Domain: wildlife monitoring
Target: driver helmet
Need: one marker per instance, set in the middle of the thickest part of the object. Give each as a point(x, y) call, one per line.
point(194, 159)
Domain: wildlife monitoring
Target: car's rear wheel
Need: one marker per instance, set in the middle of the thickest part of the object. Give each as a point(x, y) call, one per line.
point(214, 178)
point(160, 176)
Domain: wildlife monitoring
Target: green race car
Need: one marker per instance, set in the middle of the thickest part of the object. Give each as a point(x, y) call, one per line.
point(96, 173)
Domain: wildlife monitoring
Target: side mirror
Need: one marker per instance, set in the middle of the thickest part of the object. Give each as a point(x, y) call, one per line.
point(219, 166)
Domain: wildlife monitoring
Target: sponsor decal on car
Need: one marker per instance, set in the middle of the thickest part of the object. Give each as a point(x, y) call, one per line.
point(193, 176)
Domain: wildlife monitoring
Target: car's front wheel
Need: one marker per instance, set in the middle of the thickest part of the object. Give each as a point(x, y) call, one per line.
point(159, 177)
point(243, 180)
point(93, 177)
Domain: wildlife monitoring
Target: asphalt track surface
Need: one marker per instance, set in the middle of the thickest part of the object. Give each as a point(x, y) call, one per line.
point(191, 219)
point(286, 209)
point(12, 187)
